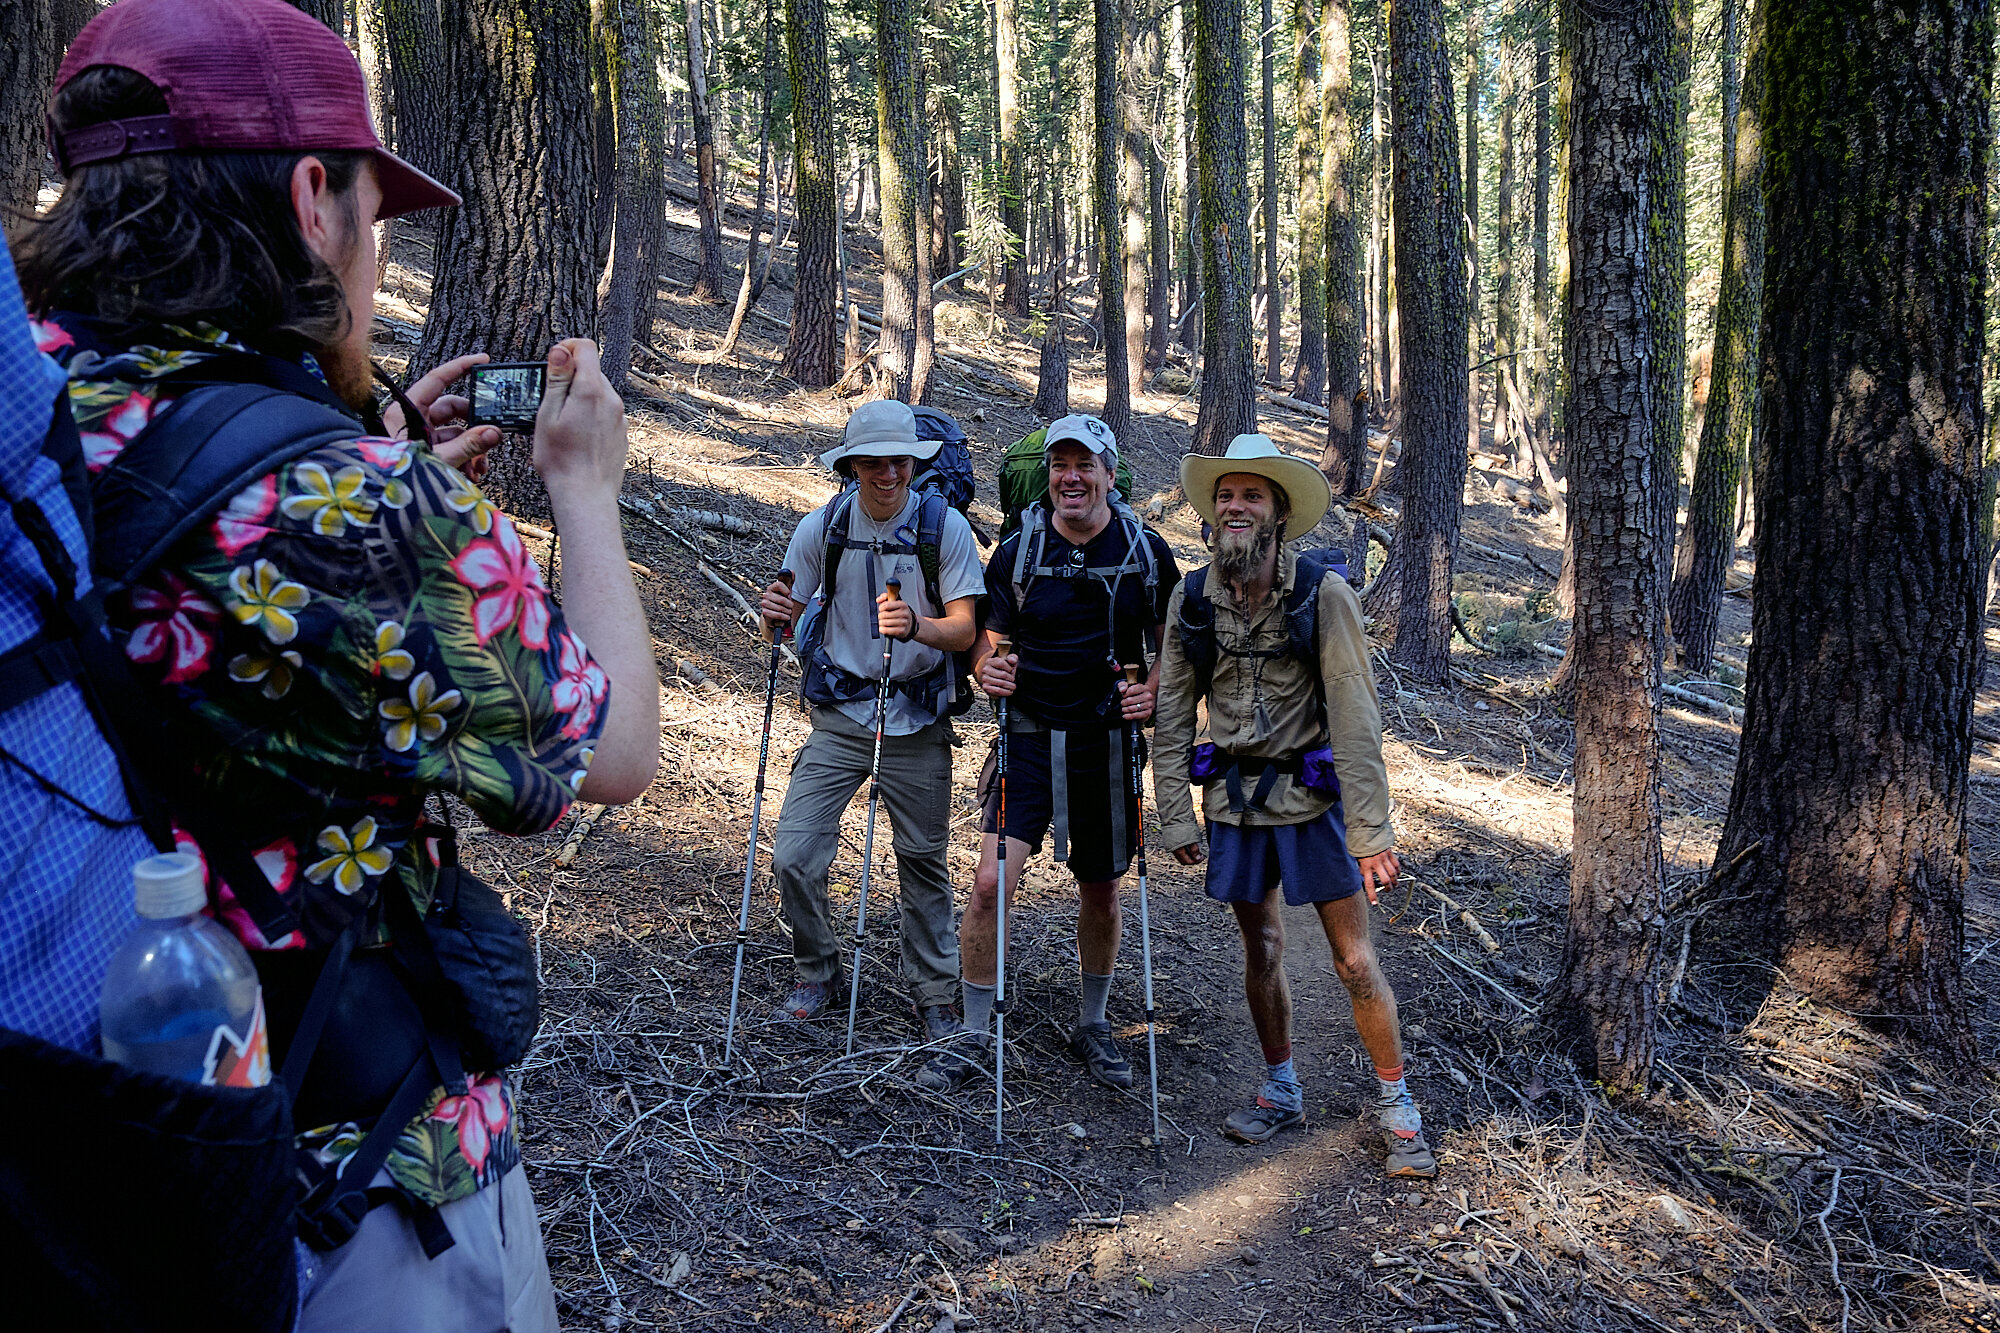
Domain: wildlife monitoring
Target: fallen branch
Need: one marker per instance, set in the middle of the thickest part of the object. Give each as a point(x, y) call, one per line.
point(1298, 405)
point(586, 819)
point(696, 677)
point(1703, 702)
point(714, 522)
point(1504, 993)
point(1495, 553)
point(750, 618)
point(1465, 916)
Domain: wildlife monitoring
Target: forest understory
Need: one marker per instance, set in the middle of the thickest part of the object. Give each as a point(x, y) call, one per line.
point(1794, 1171)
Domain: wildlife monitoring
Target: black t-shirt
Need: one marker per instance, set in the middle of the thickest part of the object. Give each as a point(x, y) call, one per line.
point(1064, 634)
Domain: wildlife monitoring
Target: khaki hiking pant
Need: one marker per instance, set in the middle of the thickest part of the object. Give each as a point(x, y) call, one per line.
point(916, 796)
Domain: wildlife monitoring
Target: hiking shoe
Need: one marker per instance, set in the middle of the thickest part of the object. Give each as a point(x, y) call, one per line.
point(1260, 1122)
point(956, 1065)
point(939, 1020)
point(1093, 1044)
point(809, 999)
point(1402, 1129)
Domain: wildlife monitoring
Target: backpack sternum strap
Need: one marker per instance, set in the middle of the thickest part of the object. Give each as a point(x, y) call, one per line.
point(1202, 645)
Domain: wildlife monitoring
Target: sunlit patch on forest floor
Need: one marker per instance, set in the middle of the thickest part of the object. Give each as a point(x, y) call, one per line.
point(801, 1189)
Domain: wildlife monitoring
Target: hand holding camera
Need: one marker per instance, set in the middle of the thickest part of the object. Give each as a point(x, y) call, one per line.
point(579, 427)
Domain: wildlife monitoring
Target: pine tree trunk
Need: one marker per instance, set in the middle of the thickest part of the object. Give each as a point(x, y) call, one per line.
point(1624, 79)
point(513, 270)
point(812, 348)
point(1847, 818)
point(752, 285)
point(1107, 152)
point(1474, 410)
point(1132, 139)
point(411, 32)
point(1709, 544)
point(630, 29)
point(900, 163)
point(1309, 371)
point(1274, 300)
point(1346, 415)
point(1431, 301)
point(1378, 224)
point(708, 279)
point(947, 173)
point(1052, 377)
point(28, 60)
point(1538, 409)
point(1504, 301)
point(1229, 367)
point(1013, 187)
point(330, 12)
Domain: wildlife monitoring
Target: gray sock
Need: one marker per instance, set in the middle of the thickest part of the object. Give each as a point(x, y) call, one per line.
point(1096, 993)
point(978, 1006)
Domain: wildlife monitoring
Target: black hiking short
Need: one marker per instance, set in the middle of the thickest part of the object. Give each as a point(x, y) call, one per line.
point(1100, 803)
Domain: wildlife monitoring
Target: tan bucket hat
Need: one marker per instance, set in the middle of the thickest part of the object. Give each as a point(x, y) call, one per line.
point(1305, 485)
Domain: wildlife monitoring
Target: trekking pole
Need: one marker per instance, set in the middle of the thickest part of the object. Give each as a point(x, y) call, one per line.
point(776, 633)
point(895, 587)
point(1000, 649)
point(1137, 766)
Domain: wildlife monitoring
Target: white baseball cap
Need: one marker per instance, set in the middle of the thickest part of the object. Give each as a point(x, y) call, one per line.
point(1086, 430)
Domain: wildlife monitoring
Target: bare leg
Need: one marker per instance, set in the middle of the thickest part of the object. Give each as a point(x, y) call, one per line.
point(1264, 984)
point(1097, 924)
point(978, 930)
point(1346, 923)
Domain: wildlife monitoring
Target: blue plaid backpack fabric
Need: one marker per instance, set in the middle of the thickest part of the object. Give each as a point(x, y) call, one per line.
point(67, 835)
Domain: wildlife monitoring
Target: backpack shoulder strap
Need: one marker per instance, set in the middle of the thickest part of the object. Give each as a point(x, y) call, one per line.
point(839, 512)
point(190, 461)
point(930, 543)
point(1196, 628)
point(1032, 530)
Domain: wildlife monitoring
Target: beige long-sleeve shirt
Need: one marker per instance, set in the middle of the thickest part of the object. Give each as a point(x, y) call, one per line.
point(1354, 720)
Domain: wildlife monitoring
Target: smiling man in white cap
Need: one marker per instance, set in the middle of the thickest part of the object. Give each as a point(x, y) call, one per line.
point(1295, 788)
point(1080, 590)
point(842, 557)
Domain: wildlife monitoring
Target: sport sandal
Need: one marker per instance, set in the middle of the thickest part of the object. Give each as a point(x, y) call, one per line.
point(1094, 1045)
point(1260, 1122)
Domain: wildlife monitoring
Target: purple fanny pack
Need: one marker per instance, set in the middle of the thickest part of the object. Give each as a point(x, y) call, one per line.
point(1314, 768)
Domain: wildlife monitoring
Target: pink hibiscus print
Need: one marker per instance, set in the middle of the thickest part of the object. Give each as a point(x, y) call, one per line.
point(242, 519)
point(509, 584)
point(116, 430)
point(580, 686)
point(279, 862)
point(481, 1116)
point(172, 617)
point(391, 456)
point(50, 338)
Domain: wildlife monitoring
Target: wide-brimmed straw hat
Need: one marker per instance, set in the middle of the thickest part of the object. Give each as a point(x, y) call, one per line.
point(884, 428)
point(1305, 485)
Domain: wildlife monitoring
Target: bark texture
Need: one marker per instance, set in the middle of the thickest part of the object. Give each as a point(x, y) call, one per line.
point(1274, 294)
point(630, 31)
point(1709, 544)
point(1132, 136)
point(1013, 186)
point(904, 360)
point(1624, 78)
point(1505, 303)
point(28, 59)
point(812, 348)
point(1107, 152)
point(1847, 818)
point(514, 271)
point(1309, 370)
point(1473, 337)
point(411, 32)
point(1346, 417)
point(1222, 152)
point(1431, 303)
point(708, 279)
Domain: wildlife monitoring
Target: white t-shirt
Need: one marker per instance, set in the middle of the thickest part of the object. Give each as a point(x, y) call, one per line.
point(851, 637)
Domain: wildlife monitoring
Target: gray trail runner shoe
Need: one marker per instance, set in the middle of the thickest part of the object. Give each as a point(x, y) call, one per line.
point(1094, 1045)
point(939, 1020)
point(1260, 1122)
point(1402, 1128)
point(957, 1064)
point(809, 999)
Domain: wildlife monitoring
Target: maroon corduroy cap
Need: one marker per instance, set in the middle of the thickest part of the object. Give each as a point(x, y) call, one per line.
point(239, 76)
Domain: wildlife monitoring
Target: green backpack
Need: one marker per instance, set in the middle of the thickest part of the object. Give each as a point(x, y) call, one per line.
point(1024, 479)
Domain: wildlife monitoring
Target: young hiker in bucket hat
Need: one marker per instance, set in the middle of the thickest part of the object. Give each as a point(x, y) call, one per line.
point(842, 557)
point(353, 630)
point(1079, 590)
point(1295, 790)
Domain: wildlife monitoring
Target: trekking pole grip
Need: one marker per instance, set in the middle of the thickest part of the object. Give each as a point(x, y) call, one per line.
point(774, 630)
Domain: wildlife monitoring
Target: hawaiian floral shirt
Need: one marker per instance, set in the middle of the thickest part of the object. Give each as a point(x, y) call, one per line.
point(354, 631)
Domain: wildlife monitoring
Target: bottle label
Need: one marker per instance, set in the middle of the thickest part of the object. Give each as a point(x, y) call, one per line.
point(239, 1061)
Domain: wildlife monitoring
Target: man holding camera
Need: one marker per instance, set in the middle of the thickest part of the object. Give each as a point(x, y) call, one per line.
point(1295, 790)
point(1078, 593)
point(359, 628)
point(863, 647)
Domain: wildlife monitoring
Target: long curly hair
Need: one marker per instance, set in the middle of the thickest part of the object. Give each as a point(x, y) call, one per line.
point(182, 238)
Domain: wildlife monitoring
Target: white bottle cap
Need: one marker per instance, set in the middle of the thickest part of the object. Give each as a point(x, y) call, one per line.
point(169, 886)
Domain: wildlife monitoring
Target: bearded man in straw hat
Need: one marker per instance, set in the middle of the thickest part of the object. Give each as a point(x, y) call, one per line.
point(1295, 790)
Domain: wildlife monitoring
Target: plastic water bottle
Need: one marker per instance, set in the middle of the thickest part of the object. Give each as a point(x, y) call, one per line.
point(181, 997)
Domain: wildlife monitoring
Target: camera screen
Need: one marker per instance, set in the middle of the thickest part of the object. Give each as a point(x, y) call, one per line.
point(506, 395)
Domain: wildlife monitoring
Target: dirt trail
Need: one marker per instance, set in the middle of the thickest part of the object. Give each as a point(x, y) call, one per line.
point(804, 1190)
